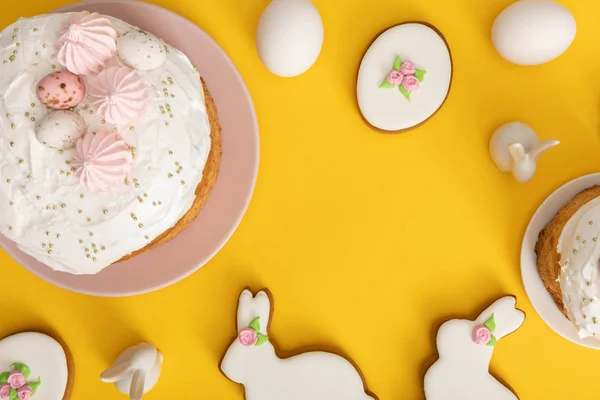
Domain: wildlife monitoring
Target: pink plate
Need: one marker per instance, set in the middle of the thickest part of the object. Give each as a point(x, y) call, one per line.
point(231, 195)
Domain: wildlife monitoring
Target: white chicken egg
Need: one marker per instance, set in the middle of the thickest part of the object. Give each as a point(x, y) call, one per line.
point(289, 36)
point(532, 32)
point(141, 50)
point(60, 129)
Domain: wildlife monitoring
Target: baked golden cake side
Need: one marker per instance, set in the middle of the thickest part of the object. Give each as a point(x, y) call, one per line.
point(546, 248)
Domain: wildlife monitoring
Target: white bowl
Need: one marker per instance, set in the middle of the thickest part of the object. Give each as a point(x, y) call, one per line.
point(539, 297)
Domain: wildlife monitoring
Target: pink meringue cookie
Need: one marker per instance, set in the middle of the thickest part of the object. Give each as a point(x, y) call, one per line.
point(102, 161)
point(86, 42)
point(119, 95)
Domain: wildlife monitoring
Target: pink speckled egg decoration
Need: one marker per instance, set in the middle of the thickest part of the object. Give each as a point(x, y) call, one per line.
point(61, 90)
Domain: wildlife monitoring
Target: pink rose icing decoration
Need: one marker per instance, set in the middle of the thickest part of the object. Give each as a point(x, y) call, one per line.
point(410, 83)
point(248, 337)
point(24, 392)
point(119, 95)
point(408, 68)
point(102, 161)
point(16, 379)
point(86, 42)
point(481, 335)
point(395, 77)
point(5, 391)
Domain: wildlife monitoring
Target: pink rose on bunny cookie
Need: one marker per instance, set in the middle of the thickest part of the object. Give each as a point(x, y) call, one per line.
point(404, 75)
point(481, 335)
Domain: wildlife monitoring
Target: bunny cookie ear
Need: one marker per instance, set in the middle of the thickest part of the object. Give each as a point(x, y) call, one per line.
point(116, 373)
point(251, 307)
point(504, 316)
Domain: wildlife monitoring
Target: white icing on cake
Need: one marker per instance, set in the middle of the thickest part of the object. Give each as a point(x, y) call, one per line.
point(387, 109)
point(44, 209)
point(315, 375)
point(579, 279)
point(44, 356)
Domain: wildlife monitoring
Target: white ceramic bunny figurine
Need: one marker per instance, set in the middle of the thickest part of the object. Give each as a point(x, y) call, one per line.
point(136, 370)
point(515, 148)
point(465, 349)
point(251, 360)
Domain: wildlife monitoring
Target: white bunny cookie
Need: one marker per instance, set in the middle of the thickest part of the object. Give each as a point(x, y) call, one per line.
point(251, 360)
point(465, 350)
point(135, 371)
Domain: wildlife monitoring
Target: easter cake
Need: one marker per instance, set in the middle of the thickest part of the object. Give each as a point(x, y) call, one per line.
point(567, 260)
point(109, 140)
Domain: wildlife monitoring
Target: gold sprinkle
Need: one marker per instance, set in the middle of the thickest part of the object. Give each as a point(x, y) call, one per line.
point(196, 67)
point(15, 52)
point(584, 316)
point(93, 245)
point(27, 114)
point(87, 250)
point(595, 239)
point(91, 234)
point(12, 204)
point(584, 300)
point(29, 177)
point(68, 162)
point(591, 222)
point(585, 241)
point(44, 245)
point(141, 225)
point(49, 251)
point(177, 163)
point(137, 185)
point(160, 203)
point(95, 251)
point(45, 45)
point(102, 248)
point(8, 181)
point(170, 152)
point(63, 206)
point(13, 126)
point(147, 237)
point(88, 256)
point(51, 245)
point(18, 44)
point(10, 228)
point(12, 144)
point(170, 175)
point(21, 161)
point(574, 251)
point(89, 220)
point(126, 181)
point(32, 105)
point(5, 62)
point(54, 66)
point(81, 196)
point(145, 194)
point(166, 124)
point(105, 212)
point(589, 283)
point(35, 29)
point(14, 37)
point(131, 128)
point(60, 152)
point(12, 58)
point(58, 236)
point(592, 301)
point(103, 121)
point(154, 203)
point(38, 197)
point(80, 241)
point(172, 96)
point(32, 119)
point(68, 174)
point(62, 172)
point(91, 111)
point(16, 29)
point(595, 320)
point(47, 233)
point(79, 211)
point(183, 182)
point(94, 259)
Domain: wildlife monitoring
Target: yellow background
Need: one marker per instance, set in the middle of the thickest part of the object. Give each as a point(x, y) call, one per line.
point(368, 242)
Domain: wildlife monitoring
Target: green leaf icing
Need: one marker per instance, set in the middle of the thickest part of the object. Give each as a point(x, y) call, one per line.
point(397, 64)
point(420, 75)
point(4, 377)
point(13, 394)
point(255, 324)
point(405, 92)
point(492, 341)
point(386, 85)
point(21, 367)
point(35, 385)
point(262, 339)
point(490, 324)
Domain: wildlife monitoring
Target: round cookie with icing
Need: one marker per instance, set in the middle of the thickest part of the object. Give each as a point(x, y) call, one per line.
point(404, 77)
point(465, 350)
point(252, 361)
point(33, 365)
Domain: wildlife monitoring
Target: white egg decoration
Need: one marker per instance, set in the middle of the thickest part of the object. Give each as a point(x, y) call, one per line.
point(289, 37)
point(141, 50)
point(532, 32)
point(60, 130)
